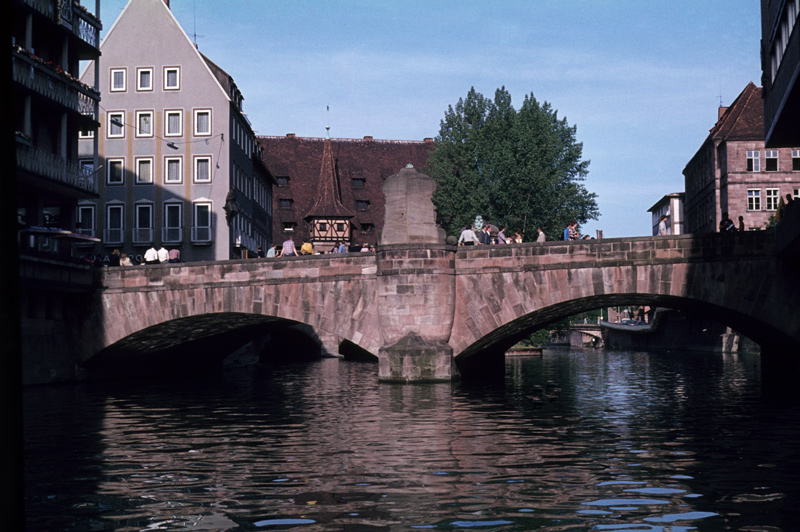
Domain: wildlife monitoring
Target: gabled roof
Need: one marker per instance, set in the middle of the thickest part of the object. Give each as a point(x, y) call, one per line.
point(744, 119)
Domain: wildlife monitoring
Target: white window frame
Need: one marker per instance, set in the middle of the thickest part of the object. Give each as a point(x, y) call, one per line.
point(171, 180)
point(111, 165)
point(202, 233)
point(114, 235)
point(755, 157)
point(112, 80)
point(753, 199)
point(172, 233)
point(795, 157)
point(196, 173)
point(769, 155)
point(139, 72)
point(772, 197)
point(196, 122)
point(177, 85)
point(138, 163)
point(167, 114)
point(111, 133)
point(143, 232)
point(142, 115)
point(86, 207)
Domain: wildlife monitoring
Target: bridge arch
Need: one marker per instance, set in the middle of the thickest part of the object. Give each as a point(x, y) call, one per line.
point(733, 280)
point(205, 343)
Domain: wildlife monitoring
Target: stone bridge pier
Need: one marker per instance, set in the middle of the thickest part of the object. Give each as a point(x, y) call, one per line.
point(416, 284)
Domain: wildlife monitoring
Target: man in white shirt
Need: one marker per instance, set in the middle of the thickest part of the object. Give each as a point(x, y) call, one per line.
point(151, 256)
point(163, 255)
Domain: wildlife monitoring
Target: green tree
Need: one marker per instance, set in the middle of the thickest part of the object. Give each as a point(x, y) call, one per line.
point(516, 168)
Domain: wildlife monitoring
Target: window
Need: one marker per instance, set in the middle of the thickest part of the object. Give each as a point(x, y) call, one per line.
point(283, 181)
point(753, 161)
point(116, 125)
point(772, 197)
point(202, 169)
point(362, 205)
point(172, 124)
point(144, 123)
point(116, 172)
point(201, 222)
point(367, 228)
point(117, 80)
point(285, 203)
point(771, 160)
point(144, 79)
point(288, 227)
point(359, 182)
point(114, 224)
point(173, 222)
point(173, 171)
point(795, 160)
point(202, 122)
point(172, 78)
point(753, 199)
point(86, 219)
point(143, 226)
point(144, 171)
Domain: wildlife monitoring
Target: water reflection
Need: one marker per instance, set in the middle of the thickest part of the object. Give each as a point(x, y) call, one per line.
point(632, 441)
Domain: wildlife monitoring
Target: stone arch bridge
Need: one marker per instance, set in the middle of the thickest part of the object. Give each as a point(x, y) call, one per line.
point(431, 312)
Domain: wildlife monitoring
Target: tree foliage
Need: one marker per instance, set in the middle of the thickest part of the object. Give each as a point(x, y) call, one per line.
point(516, 168)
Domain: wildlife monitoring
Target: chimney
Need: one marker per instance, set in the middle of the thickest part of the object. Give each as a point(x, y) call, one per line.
point(721, 112)
point(290, 135)
point(367, 137)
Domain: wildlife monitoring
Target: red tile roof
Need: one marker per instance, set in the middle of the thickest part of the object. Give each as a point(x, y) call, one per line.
point(744, 119)
point(359, 167)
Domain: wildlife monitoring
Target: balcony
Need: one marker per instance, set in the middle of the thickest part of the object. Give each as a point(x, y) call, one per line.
point(52, 166)
point(52, 82)
point(71, 16)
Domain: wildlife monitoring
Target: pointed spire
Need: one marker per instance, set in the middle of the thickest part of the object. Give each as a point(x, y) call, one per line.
point(328, 203)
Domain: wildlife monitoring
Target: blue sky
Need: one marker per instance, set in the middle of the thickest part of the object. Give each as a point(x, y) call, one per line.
point(640, 79)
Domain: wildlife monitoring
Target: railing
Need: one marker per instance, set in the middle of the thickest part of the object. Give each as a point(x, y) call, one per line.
point(201, 234)
point(113, 236)
point(55, 167)
point(51, 82)
point(142, 235)
point(172, 234)
point(65, 12)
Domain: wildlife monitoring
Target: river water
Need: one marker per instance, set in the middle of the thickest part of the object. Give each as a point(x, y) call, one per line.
point(572, 440)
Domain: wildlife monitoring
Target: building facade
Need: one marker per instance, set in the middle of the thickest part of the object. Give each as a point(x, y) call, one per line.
point(329, 190)
point(179, 164)
point(733, 171)
point(780, 67)
point(51, 106)
point(670, 206)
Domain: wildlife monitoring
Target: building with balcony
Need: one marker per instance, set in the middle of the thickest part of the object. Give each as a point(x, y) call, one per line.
point(329, 190)
point(780, 67)
point(51, 105)
point(179, 164)
point(49, 39)
point(734, 172)
point(670, 206)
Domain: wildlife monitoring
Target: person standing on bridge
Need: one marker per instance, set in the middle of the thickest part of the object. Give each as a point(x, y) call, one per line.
point(540, 237)
point(726, 224)
point(151, 256)
point(288, 249)
point(468, 237)
point(662, 226)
